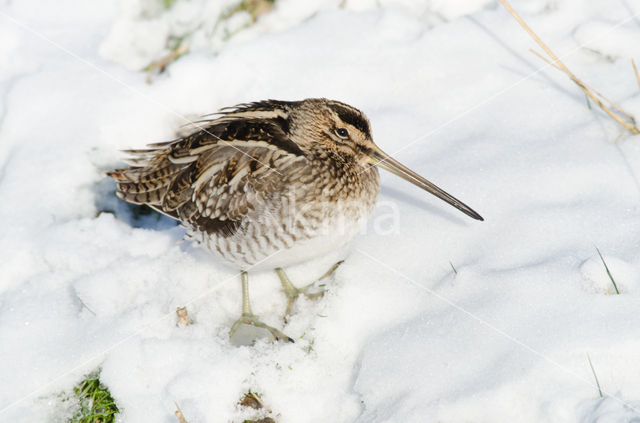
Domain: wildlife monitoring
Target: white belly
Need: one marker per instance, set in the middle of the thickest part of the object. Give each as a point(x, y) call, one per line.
point(307, 249)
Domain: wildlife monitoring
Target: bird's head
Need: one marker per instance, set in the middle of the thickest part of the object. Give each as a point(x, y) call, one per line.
point(328, 129)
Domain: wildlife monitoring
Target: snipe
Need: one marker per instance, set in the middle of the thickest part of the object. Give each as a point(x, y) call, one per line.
point(269, 184)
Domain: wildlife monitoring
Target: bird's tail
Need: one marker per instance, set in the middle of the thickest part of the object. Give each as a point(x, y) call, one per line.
point(148, 180)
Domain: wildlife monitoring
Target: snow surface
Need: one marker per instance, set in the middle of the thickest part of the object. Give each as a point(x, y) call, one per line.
point(452, 92)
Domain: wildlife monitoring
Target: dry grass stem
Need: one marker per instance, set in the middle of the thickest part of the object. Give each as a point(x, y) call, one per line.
point(635, 70)
point(179, 414)
point(557, 63)
point(597, 93)
point(162, 64)
point(183, 316)
point(258, 8)
point(619, 137)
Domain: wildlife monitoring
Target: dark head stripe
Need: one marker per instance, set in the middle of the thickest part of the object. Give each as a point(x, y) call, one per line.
point(352, 117)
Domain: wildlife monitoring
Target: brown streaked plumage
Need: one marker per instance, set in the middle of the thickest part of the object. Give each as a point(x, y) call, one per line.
point(268, 184)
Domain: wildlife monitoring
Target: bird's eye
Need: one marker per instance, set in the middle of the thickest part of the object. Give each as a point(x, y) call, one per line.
point(342, 133)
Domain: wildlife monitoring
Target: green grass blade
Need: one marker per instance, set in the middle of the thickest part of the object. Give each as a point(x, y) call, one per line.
point(608, 272)
point(595, 376)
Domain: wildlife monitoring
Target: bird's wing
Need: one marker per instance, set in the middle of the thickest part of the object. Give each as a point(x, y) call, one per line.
point(213, 178)
point(219, 191)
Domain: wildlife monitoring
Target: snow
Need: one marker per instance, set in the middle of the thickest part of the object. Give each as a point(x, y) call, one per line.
point(452, 92)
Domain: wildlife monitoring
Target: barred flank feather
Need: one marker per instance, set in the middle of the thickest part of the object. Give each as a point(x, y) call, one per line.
point(205, 174)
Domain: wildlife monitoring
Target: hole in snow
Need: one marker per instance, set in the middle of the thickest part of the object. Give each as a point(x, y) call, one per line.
point(138, 216)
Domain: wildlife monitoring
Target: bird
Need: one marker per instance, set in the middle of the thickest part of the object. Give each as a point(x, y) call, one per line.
point(268, 184)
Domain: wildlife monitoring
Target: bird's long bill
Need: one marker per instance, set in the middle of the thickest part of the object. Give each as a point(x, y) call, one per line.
point(383, 160)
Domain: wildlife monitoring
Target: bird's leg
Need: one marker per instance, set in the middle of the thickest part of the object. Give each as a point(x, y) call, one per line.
point(292, 292)
point(248, 318)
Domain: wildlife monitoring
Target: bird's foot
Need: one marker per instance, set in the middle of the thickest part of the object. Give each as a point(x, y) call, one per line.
point(313, 291)
point(310, 291)
point(251, 319)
